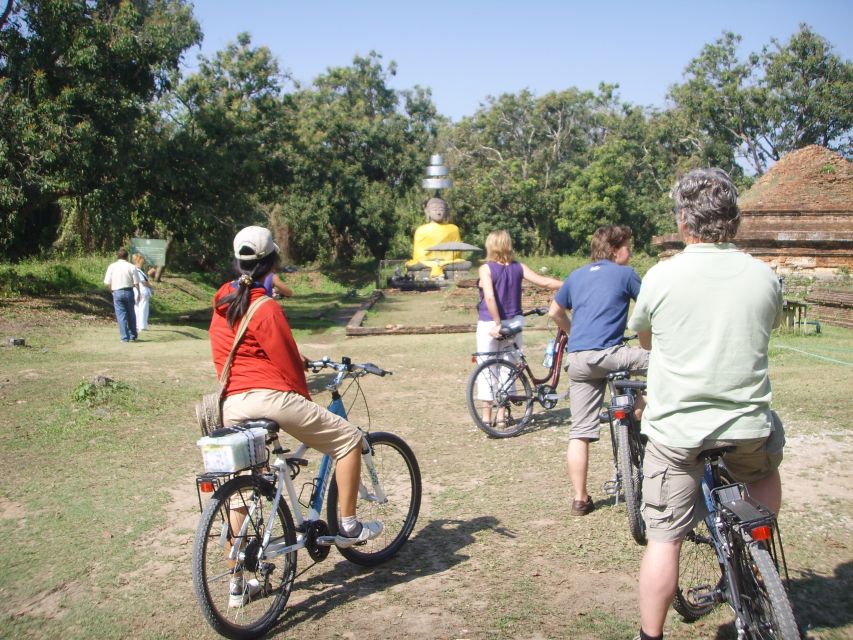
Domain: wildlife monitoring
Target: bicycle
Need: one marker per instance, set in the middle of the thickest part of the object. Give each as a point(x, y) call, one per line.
point(508, 377)
point(246, 528)
point(733, 556)
point(628, 447)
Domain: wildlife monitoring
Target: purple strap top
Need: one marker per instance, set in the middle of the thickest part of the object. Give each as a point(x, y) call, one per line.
point(506, 280)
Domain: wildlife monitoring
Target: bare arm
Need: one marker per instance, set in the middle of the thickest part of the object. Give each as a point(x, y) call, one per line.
point(546, 282)
point(489, 298)
point(282, 288)
point(560, 317)
point(645, 338)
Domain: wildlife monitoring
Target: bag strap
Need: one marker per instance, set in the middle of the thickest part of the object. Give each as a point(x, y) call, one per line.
point(241, 331)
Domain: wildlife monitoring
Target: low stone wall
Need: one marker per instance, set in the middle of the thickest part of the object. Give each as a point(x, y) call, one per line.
point(832, 306)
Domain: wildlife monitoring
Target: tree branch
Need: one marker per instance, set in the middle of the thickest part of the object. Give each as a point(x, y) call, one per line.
point(6, 12)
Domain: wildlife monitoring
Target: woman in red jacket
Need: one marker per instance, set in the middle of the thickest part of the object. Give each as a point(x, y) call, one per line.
point(267, 379)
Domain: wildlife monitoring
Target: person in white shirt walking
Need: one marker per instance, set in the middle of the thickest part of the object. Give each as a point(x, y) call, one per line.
point(122, 280)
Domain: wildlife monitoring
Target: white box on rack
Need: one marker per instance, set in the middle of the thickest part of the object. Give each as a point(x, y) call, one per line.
point(235, 451)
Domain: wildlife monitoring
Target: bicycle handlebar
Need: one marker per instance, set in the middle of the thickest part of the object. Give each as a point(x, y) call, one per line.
point(345, 365)
point(630, 384)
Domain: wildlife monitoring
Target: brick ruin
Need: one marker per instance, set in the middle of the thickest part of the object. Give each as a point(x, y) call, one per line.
point(798, 217)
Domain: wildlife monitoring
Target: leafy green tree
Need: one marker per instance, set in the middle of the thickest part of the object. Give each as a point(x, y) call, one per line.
point(216, 152)
point(512, 159)
point(75, 78)
point(810, 94)
point(782, 99)
point(359, 148)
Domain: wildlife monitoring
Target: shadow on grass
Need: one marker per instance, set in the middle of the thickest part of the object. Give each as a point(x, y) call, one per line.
point(819, 602)
point(434, 549)
point(316, 313)
point(548, 419)
point(95, 302)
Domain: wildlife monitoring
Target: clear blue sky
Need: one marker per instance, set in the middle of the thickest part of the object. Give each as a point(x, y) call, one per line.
point(465, 51)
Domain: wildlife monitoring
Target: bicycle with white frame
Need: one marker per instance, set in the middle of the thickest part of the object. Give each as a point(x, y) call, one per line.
point(248, 534)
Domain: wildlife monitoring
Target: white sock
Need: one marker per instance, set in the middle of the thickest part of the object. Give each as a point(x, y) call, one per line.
point(349, 525)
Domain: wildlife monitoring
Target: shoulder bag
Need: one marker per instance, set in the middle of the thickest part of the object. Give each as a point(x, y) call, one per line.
point(208, 412)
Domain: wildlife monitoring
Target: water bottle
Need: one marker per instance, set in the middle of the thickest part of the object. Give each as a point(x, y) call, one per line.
point(549, 355)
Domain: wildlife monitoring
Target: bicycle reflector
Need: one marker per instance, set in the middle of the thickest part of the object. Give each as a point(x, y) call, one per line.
point(619, 414)
point(762, 532)
point(206, 486)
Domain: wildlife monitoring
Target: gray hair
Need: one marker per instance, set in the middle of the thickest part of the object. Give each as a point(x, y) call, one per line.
point(706, 203)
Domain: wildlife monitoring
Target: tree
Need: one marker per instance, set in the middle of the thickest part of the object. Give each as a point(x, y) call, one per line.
point(75, 78)
point(810, 94)
point(514, 156)
point(216, 151)
point(782, 99)
point(356, 156)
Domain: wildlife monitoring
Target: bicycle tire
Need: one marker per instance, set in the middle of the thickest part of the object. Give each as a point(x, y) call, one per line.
point(400, 479)
point(629, 465)
point(210, 568)
point(501, 376)
point(699, 573)
point(763, 595)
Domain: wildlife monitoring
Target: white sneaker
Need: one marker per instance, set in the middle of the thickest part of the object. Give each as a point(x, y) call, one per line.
point(241, 591)
point(369, 530)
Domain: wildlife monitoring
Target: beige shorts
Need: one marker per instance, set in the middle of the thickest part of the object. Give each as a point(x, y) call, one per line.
point(303, 419)
point(672, 502)
point(588, 375)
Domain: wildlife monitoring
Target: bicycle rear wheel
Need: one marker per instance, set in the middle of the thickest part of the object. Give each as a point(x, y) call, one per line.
point(243, 615)
point(630, 465)
point(399, 477)
point(511, 405)
point(763, 596)
point(699, 575)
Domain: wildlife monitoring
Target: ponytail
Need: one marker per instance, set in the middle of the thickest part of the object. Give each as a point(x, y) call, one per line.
point(251, 271)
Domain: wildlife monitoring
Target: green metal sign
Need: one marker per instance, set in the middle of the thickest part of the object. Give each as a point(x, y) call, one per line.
point(154, 250)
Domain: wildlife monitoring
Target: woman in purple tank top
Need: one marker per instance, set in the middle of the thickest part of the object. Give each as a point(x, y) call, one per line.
point(500, 300)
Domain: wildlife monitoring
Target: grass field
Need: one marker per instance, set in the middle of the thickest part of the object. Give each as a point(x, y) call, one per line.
point(98, 506)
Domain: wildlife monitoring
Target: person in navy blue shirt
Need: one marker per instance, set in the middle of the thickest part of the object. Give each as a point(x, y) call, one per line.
point(598, 295)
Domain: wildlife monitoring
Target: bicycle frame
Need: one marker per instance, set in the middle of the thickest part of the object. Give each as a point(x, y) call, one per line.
point(515, 356)
point(321, 481)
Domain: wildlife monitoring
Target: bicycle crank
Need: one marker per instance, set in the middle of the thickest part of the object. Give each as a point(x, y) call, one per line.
point(547, 396)
point(318, 540)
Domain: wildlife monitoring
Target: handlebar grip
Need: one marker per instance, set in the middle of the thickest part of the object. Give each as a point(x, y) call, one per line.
point(372, 368)
point(539, 311)
point(630, 384)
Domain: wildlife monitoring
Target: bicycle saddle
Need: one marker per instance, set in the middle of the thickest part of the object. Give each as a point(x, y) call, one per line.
point(717, 452)
point(257, 423)
point(510, 328)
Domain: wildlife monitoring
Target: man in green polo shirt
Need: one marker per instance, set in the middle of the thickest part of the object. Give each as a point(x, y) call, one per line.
point(706, 314)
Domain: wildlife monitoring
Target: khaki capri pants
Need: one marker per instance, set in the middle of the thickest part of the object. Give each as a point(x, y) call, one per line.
point(303, 419)
point(672, 503)
point(588, 375)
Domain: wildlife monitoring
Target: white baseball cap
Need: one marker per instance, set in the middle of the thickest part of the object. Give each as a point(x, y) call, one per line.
point(254, 243)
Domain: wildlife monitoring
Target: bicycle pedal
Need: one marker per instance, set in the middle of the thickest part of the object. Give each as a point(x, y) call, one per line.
point(611, 488)
point(703, 595)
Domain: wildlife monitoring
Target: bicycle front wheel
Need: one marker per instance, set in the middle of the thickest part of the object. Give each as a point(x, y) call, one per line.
point(396, 476)
point(241, 594)
point(500, 398)
point(699, 575)
point(629, 464)
point(763, 596)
